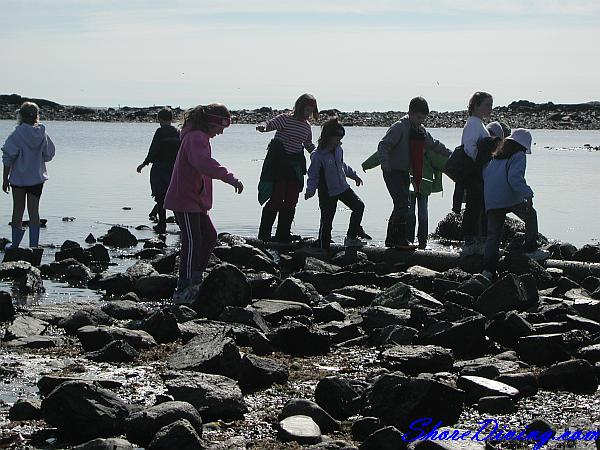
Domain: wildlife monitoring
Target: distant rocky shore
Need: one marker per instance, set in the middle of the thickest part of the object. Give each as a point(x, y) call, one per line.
point(522, 113)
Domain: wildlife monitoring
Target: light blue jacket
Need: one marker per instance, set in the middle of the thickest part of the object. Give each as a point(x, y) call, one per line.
point(504, 182)
point(26, 151)
point(335, 171)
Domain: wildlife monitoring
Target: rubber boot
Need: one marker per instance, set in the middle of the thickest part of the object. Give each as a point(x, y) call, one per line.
point(34, 236)
point(396, 234)
point(17, 237)
point(284, 225)
point(267, 220)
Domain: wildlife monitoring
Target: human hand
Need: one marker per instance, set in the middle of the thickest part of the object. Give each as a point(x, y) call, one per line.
point(358, 181)
point(308, 195)
point(5, 186)
point(140, 167)
point(239, 187)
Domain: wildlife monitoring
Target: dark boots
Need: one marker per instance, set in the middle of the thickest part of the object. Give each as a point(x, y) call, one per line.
point(266, 224)
point(284, 226)
point(396, 233)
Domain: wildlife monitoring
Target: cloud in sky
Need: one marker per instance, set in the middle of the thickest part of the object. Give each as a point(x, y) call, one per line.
point(352, 54)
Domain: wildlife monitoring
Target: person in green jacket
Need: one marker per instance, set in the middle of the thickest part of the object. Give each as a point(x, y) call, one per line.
point(428, 181)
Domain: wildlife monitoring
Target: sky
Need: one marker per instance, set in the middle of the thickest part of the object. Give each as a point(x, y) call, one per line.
point(370, 55)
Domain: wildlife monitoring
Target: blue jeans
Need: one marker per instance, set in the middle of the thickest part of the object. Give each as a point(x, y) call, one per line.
point(495, 226)
point(417, 201)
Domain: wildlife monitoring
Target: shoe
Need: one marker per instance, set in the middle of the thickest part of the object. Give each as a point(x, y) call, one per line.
point(354, 242)
point(186, 295)
point(469, 249)
point(17, 237)
point(539, 254)
point(361, 234)
point(487, 274)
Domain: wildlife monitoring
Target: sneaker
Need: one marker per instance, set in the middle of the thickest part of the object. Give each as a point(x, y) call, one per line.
point(539, 254)
point(469, 249)
point(186, 295)
point(354, 242)
point(362, 234)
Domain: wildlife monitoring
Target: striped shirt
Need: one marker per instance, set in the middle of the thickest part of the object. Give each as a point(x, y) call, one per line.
point(293, 133)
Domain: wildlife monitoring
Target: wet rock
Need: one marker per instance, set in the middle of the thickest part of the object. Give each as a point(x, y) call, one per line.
point(29, 409)
point(301, 429)
point(329, 312)
point(141, 426)
point(360, 295)
point(317, 265)
point(520, 264)
point(24, 326)
point(116, 351)
point(260, 373)
point(477, 387)
point(14, 270)
point(90, 239)
point(295, 290)
point(542, 349)
point(466, 337)
point(119, 237)
point(338, 396)
point(460, 298)
point(526, 382)
point(300, 406)
point(399, 400)
point(587, 253)
point(148, 253)
point(590, 283)
point(95, 337)
point(576, 376)
point(124, 310)
point(587, 307)
point(364, 426)
point(85, 316)
point(180, 434)
point(214, 396)
point(183, 313)
point(224, 286)
point(500, 404)
point(76, 253)
point(37, 342)
point(98, 253)
point(162, 326)
point(47, 383)
point(297, 339)
point(506, 329)
point(336, 444)
point(590, 353)
point(82, 411)
point(396, 296)
point(246, 316)
point(342, 331)
point(327, 282)
point(238, 254)
point(381, 317)
point(165, 264)
point(504, 295)
point(474, 286)
point(386, 438)
point(7, 310)
point(115, 284)
point(31, 282)
point(70, 269)
point(140, 269)
point(106, 444)
point(155, 243)
point(392, 334)
point(211, 352)
point(262, 284)
point(415, 359)
point(274, 310)
point(156, 286)
point(32, 256)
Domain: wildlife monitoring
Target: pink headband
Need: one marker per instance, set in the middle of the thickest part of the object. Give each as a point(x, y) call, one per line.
point(221, 121)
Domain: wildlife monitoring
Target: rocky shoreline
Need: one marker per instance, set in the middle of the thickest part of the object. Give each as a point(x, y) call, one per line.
point(522, 113)
point(285, 347)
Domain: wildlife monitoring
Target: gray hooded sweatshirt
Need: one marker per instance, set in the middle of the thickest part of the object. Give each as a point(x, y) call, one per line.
point(26, 152)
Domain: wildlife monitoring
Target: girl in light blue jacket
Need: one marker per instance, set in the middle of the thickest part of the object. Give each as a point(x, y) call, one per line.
point(24, 155)
point(506, 190)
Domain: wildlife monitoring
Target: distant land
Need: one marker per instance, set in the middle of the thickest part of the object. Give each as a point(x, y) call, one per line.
point(521, 113)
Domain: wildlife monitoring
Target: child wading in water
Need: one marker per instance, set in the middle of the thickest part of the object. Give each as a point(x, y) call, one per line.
point(505, 191)
point(25, 154)
point(282, 175)
point(328, 173)
point(162, 155)
point(190, 194)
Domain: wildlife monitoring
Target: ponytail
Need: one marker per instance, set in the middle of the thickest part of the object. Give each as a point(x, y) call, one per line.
point(203, 117)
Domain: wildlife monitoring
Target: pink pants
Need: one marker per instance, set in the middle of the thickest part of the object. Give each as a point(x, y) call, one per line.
point(198, 239)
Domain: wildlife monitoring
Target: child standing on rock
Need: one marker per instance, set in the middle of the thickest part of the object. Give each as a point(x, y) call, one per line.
point(162, 154)
point(189, 194)
point(506, 190)
point(328, 173)
point(24, 155)
point(284, 167)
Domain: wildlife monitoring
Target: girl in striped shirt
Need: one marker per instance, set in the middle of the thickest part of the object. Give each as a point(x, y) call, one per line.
point(282, 175)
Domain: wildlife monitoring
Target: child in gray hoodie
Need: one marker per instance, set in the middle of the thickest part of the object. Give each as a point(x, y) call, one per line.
point(24, 155)
point(328, 173)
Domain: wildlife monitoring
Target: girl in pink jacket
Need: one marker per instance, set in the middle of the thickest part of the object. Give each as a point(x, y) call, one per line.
point(190, 193)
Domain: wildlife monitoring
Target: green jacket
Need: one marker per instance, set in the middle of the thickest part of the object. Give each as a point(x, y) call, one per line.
point(433, 165)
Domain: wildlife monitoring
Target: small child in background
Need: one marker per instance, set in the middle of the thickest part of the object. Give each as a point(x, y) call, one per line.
point(284, 167)
point(328, 173)
point(24, 155)
point(162, 154)
point(189, 194)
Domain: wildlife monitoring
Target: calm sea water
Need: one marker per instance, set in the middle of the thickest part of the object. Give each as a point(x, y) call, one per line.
point(93, 177)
